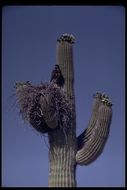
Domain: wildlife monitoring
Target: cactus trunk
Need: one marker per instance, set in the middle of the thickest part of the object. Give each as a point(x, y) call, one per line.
point(63, 144)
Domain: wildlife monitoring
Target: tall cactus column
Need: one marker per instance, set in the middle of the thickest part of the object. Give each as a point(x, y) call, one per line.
point(63, 149)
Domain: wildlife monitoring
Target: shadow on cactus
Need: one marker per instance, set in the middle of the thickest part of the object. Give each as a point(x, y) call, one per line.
point(50, 108)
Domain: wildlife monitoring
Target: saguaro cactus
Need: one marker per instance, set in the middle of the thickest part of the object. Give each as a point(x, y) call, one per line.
point(63, 146)
point(50, 108)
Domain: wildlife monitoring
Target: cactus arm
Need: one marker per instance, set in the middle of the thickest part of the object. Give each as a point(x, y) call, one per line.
point(36, 106)
point(92, 141)
point(81, 139)
point(48, 111)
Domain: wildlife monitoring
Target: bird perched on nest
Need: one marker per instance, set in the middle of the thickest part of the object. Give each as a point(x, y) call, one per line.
point(56, 76)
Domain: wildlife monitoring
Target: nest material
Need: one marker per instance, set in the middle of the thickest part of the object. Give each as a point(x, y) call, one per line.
point(40, 104)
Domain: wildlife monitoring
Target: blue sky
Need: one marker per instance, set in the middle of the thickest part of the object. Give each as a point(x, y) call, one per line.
point(29, 36)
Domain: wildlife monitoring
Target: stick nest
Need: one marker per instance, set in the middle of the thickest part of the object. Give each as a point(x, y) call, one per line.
point(34, 110)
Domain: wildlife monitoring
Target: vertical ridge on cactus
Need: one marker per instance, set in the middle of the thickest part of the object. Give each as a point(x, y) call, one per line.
point(50, 108)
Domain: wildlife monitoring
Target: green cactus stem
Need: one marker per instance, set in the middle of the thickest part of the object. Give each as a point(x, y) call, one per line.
point(81, 139)
point(92, 141)
point(63, 143)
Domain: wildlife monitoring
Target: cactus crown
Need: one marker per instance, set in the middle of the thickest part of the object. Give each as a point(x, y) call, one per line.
point(104, 98)
point(66, 37)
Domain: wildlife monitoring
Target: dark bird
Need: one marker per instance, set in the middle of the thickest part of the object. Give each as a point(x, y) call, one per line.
point(57, 77)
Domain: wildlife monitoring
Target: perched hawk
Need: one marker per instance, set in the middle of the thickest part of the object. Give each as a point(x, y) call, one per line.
point(57, 77)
